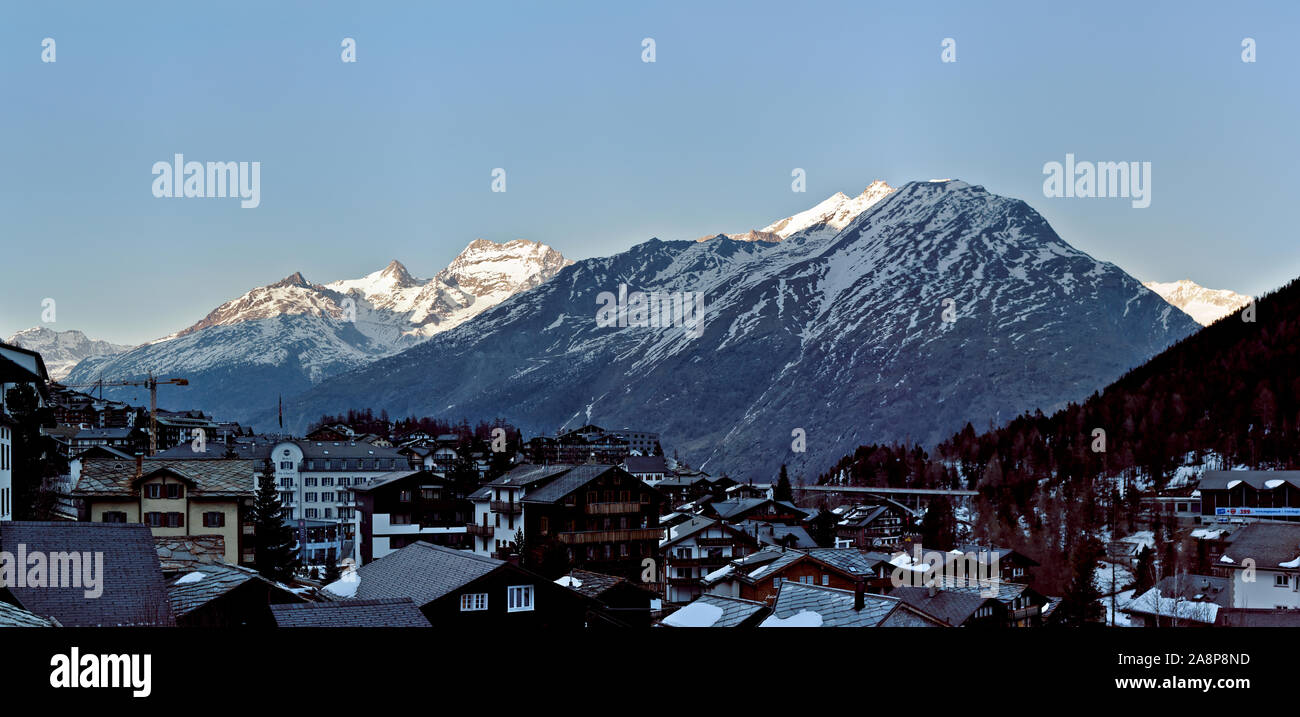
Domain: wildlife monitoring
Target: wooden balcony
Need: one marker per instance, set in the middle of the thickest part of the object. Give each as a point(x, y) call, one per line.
point(610, 536)
point(705, 562)
point(507, 507)
point(479, 529)
point(613, 508)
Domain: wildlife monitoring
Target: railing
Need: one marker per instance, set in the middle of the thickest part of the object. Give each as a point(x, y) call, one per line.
point(506, 506)
point(479, 529)
point(613, 508)
point(705, 561)
point(610, 536)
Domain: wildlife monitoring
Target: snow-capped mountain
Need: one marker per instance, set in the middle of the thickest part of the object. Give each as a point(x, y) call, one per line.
point(286, 336)
point(61, 350)
point(1204, 305)
point(939, 304)
point(829, 216)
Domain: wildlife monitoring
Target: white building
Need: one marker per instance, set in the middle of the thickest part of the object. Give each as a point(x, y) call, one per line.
point(1265, 563)
point(498, 506)
point(315, 479)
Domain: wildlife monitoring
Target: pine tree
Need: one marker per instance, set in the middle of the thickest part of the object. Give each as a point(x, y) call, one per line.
point(35, 457)
point(1080, 605)
point(822, 528)
point(938, 526)
point(783, 490)
point(273, 539)
point(1145, 574)
point(331, 567)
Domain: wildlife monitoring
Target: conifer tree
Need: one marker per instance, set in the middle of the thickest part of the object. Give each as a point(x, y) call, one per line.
point(273, 539)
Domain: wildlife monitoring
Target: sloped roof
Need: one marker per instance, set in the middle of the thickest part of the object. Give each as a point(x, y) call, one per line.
point(384, 612)
point(1268, 544)
point(11, 616)
point(804, 605)
point(384, 479)
point(1259, 480)
point(731, 508)
point(1152, 602)
point(734, 610)
point(134, 592)
point(567, 482)
point(528, 474)
point(210, 581)
point(950, 606)
point(646, 464)
point(422, 572)
point(107, 477)
point(593, 584)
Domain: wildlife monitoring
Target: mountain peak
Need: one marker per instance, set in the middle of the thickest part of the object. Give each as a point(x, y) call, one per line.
point(294, 279)
point(397, 272)
point(1204, 305)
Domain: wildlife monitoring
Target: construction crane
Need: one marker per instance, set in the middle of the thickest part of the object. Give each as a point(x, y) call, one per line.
point(152, 384)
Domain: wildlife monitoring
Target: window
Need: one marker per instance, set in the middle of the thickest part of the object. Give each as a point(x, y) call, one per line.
point(114, 516)
point(309, 481)
point(175, 520)
point(404, 496)
point(309, 513)
point(153, 490)
point(175, 490)
point(153, 520)
point(286, 465)
point(328, 481)
point(1281, 581)
point(545, 525)
point(470, 602)
point(806, 579)
point(310, 498)
point(400, 519)
point(826, 579)
point(519, 598)
point(214, 519)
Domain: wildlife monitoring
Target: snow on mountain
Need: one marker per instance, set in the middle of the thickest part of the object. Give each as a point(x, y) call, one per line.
point(1204, 305)
point(830, 215)
point(286, 336)
point(62, 350)
point(938, 304)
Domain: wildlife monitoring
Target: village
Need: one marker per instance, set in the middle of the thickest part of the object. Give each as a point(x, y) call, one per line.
point(193, 521)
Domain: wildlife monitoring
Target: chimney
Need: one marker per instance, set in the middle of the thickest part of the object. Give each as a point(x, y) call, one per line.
point(139, 465)
point(934, 587)
point(859, 598)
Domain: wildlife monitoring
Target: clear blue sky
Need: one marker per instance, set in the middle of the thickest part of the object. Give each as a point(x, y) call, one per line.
point(390, 157)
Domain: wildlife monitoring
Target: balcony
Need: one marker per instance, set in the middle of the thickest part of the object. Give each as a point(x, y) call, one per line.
point(610, 536)
point(715, 542)
point(507, 507)
point(613, 508)
point(683, 581)
point(705, 561)
point(479, 529)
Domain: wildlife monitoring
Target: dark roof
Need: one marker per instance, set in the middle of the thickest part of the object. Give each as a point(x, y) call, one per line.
point(1268, 544)
point(134, 592)
point(727, 509)
point(385, 479)
point(646, 464)
point(680, 531)
point(108, 477)
point(567, 482)
point(834, 608)
point(593, 584)
point(1259, 480)
point(41, 373)
point(106, 452)
point(983, 551)
point(256, 452)
point(186, 594)
point(423, 572)
point(950, 606)
point(735, 611)
point(1201, 588)
point(346, 449)
point(383, 612)
point(529, 474)
point(794, 536)
point(88, 434)
point(11, 616)
point(1243, 617)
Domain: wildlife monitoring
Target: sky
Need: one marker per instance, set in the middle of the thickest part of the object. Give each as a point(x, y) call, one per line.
point(391, 157)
